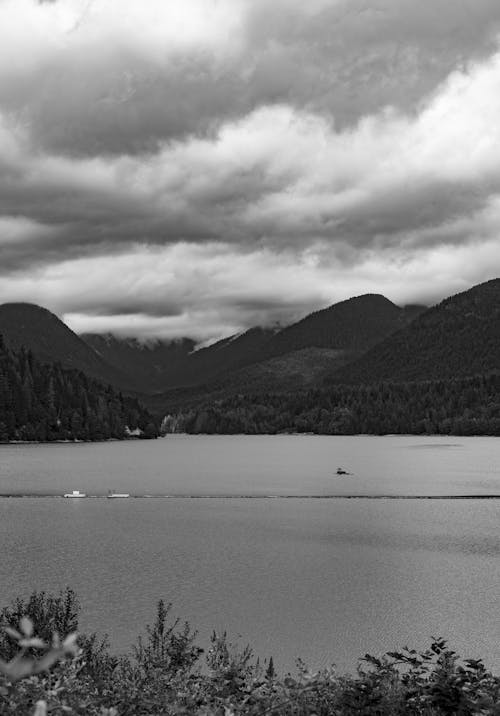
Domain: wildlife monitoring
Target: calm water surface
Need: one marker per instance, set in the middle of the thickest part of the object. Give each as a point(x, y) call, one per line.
point(324, 579)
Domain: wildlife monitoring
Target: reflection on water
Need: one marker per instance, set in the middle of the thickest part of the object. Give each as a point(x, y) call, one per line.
point(432, 446)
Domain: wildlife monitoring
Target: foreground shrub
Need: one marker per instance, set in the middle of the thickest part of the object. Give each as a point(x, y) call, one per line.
point(46, 669)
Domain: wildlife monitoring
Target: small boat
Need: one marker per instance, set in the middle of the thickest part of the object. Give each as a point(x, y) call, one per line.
point(341, 471)
point(75, 493)
point(114, 495)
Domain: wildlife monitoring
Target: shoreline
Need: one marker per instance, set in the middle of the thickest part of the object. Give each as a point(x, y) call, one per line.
point(18, 496)
point(76, 441)
point(249, 435)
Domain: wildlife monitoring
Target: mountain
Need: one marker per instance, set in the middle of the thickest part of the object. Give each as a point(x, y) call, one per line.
point(353, 325)
point(345, 329)
point(157, 365)
point(293, 371)
point(440, 374)
point(290, 371)
point(457, 338)
point(259, 359)
point(39, 330)
point(293, 358)
point(44, 402)
point(152, 363)
point(249, 360)
point(226, 355)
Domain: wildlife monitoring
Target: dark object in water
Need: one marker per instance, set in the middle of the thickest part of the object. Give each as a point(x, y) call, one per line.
point(341, 471)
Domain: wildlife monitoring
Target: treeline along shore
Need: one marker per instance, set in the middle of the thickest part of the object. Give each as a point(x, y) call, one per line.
point(467, 406)
point(47, 667)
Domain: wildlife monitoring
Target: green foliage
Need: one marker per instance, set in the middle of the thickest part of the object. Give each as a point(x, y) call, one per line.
point(164, 676)
point(45, 402)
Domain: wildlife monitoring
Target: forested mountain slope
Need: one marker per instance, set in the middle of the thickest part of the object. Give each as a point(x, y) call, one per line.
point(152, 363)
point(459, 337)
point(290, 372)
point(39, 330)
point(40, 401)
point(157, 365)
point(296, 357)
point(439, 374)
point(346, 329)
point(353, 325)
point(222, 357)
point(257, 359)
point(466, 406)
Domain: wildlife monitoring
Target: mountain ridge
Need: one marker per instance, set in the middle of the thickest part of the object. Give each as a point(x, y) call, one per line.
point(458, 337)
point(349, 327)
point(52, 341)
point(258, 357)
point(149, 361)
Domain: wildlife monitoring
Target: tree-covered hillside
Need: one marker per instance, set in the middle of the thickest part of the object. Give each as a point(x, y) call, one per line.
point(469, 406)
point(459, 337)
point(353, 325)
point(39, 330)
point(242, 361)
point(47, 402)
point(149, 364)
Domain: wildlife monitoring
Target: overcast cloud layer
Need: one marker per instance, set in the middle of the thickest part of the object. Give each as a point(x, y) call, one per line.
point(195, 167)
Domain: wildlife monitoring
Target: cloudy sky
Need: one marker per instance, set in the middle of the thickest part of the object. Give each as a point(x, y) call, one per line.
point(195, 167)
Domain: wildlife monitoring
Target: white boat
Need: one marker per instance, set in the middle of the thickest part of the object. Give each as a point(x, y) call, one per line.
point(75, 493)
point(114, 495)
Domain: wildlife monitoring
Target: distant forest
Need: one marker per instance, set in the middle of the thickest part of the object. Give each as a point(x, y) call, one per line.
point(467, 406)
point(45, 402)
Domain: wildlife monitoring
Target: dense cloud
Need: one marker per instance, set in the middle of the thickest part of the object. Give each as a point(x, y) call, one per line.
point(197, 167)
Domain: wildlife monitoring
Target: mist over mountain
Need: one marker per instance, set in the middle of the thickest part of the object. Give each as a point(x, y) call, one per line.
point(258, 359)
point(148, 364)
point(323, 339)
point(295, 357)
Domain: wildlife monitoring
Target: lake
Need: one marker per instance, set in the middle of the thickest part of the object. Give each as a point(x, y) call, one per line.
point(312, 576)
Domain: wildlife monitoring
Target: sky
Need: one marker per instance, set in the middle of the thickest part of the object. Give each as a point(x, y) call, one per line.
point(196, 167)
